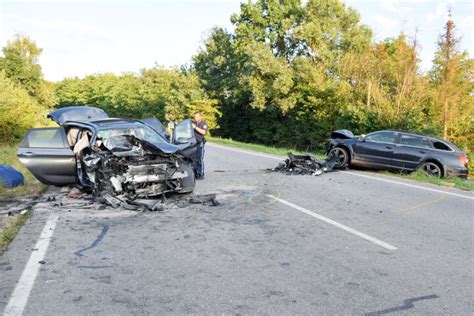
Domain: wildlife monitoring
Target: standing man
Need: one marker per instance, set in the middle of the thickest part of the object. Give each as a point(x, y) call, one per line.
point(200, 129)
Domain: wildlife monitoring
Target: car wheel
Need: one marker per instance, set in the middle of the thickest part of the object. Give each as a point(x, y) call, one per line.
point(342, 157)
point(431, 169)
point(189, 182)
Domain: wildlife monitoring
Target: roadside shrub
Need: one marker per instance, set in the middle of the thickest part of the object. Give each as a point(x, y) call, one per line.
point(18, 111)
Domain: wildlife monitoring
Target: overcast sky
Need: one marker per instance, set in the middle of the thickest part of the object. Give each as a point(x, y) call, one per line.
point(85, 37)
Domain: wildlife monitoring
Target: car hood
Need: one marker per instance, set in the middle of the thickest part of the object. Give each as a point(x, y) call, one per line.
point(77, 113)
point(342, 134)
point(155, 124)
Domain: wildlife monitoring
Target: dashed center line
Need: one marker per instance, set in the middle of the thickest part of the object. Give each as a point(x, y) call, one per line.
point(336, 224)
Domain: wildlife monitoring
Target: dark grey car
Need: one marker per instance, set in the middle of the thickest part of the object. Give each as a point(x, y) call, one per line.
point(399, 150)
point(116, 156)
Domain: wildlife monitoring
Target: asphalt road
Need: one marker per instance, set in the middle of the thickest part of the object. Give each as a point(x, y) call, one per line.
point(341, 243)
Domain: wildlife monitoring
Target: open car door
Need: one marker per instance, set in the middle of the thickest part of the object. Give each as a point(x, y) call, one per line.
point(183, 137)
point(46, 154)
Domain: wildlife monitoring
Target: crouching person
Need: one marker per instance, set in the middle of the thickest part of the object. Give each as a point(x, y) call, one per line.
point(200, 129)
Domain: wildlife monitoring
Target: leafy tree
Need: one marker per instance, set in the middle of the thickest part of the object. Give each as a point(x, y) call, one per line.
point(275, 75)
point(25, 97)
point(18, 111)
point(168, 94)
point(452, 79)
point(384, 88)
point(20, 64)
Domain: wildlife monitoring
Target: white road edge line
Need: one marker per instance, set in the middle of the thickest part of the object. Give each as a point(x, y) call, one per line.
point(409, 185)
point(357, 174)
point(19, 297)
point(334, 223)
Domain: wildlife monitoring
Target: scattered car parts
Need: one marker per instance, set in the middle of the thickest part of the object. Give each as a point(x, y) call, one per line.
point(306, 164)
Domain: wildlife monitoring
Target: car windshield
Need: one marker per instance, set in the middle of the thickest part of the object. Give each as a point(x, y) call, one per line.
point(140, 132)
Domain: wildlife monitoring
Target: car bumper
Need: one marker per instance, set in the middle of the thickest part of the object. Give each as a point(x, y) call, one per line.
point(458, 172)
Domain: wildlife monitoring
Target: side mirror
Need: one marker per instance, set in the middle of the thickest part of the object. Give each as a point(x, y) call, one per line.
point(362, 137)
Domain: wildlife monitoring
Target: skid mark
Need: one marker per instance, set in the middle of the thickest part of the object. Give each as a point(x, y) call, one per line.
point(95, 267)
point(407, 304)
point(99, 238)
point(431, 201)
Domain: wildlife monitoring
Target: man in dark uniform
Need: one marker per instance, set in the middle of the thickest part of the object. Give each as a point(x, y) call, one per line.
point(200, 129)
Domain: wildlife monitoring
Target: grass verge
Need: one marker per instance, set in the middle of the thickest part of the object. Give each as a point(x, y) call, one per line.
point(32, 186)
point(10, 228)
point(417, 176)
point(467, 185)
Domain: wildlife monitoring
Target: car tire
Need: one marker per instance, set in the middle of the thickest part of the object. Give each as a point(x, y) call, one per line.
point(342, 157)
point(432, 169)
point(188, 183)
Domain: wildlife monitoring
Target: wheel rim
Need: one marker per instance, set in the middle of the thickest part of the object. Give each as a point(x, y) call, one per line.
point(341, 156)
point(432, 170)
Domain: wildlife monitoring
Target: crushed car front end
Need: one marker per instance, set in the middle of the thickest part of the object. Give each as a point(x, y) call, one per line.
point(124, 168)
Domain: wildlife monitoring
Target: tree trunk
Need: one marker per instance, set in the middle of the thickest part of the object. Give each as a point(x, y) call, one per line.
point(445, 117)
point(368, 94)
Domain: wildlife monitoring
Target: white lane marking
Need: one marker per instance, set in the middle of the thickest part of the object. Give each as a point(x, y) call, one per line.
point(338, 225)
point(409, 185)
point(19, 297)
point(357, 174)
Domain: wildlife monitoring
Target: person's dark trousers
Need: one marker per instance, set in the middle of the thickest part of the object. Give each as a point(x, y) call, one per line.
point(200, 160)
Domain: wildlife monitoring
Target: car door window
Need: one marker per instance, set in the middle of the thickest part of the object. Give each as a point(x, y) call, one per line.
point(415, 141)
point(44, 138)
point(441, 146)
point(183, 132)
point(382, 137)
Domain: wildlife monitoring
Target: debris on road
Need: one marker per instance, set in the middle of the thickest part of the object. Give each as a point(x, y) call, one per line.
point(203, 199)
point(74, 193)
point(75, 199)
point(306, 164)
point(17, 206)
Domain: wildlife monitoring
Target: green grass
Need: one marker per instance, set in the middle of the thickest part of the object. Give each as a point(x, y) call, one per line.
point(31, 187)
point(458, 183)
point(11, 228)
point(417, 176)
point(278, 151)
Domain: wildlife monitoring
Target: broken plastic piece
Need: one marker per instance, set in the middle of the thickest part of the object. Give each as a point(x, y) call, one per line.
point(203, 199)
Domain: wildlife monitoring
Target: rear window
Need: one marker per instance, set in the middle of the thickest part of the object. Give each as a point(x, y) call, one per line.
point(414, 141)
point(441, 146)
point(44, 138)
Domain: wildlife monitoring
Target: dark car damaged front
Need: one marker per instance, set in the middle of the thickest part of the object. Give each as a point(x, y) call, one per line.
point(343, 138)
point(123, 168)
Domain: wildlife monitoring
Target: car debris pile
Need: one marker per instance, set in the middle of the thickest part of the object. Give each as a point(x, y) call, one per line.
point(306, 164)
point(129, 172)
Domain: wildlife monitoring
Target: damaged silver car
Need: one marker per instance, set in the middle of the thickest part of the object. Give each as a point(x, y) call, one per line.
point(116, 159)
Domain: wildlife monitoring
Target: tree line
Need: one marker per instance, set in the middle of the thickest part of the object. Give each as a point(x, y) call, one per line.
point(287, 75)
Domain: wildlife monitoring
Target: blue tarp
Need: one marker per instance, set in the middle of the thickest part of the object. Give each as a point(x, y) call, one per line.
point(10, 177)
